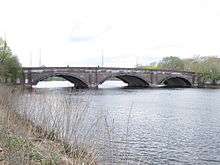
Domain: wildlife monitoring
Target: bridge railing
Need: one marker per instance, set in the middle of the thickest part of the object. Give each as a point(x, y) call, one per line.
point(37, 69)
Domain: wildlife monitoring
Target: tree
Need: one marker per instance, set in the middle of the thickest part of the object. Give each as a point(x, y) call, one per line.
point(10, 68)
point(208, 66)
point(211, 69)
point(171, 63)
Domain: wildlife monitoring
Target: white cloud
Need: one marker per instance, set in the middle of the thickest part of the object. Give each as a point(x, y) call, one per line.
point(71, 32)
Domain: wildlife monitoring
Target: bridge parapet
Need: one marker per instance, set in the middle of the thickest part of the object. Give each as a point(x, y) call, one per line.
point(103, 68)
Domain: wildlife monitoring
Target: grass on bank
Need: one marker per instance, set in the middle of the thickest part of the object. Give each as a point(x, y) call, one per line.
point(44, 128)
point(24, 142)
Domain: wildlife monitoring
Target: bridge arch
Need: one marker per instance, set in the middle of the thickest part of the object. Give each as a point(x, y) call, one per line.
point(176, 81)
point(130, 79)
point(77, 81)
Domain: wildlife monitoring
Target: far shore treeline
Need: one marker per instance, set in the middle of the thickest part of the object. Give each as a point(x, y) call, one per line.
point(208, 66)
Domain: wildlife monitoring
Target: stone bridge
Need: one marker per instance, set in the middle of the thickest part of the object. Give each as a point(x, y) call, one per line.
point(92, 77)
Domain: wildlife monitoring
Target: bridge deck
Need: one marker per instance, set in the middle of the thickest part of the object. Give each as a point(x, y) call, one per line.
point(106, 68)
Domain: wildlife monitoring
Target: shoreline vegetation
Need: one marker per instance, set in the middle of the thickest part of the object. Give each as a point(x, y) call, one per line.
point(52, 129)
point(24, 142)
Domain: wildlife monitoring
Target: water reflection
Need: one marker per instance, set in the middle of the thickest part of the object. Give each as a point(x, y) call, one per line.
point(64, 84)
point(53, 84)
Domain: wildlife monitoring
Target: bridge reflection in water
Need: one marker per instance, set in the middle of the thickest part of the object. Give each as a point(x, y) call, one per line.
point(92, 77)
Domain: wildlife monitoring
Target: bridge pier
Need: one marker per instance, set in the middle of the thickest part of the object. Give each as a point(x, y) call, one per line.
point(93, 86)
point(154, 78)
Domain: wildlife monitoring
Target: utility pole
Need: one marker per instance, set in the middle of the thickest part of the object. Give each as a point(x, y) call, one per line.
point(40, 58)
point(102, 54)
point(30, 59)
point(136, 59)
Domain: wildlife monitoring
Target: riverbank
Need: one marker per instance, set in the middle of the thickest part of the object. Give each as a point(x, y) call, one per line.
point(22, 142)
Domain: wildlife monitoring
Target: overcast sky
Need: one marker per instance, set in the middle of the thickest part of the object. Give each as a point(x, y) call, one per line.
point(126, 32)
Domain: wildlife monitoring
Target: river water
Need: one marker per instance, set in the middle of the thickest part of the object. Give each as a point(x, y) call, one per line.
point(153, 126)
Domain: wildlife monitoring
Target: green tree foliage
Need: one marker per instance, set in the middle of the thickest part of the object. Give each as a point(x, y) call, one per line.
point(151, 66)
point(171, 63)
point(10, 68)
point(208, 66)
